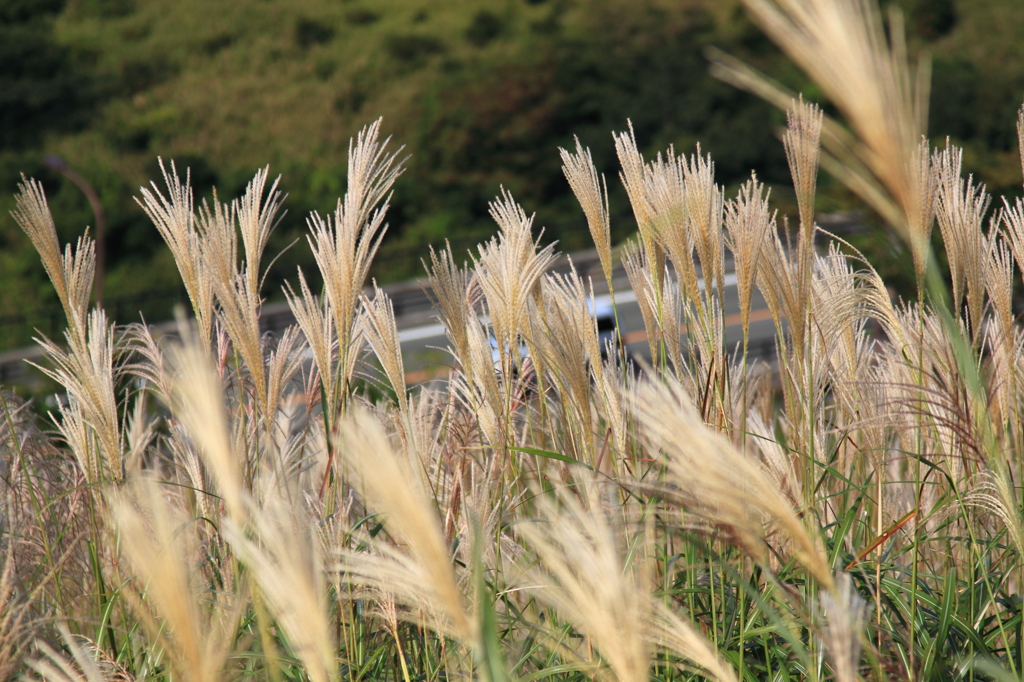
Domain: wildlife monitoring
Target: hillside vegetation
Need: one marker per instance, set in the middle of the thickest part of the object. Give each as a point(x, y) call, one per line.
point(481, 93)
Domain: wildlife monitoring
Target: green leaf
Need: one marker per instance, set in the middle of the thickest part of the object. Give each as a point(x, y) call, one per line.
point(552, 455)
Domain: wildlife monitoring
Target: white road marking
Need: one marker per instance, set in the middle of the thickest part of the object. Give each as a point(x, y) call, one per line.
point(430, 331)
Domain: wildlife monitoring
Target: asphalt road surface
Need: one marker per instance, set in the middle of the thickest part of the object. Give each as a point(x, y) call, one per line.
point(425, 358)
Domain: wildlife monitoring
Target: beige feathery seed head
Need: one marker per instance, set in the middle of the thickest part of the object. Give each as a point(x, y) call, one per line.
point(562, 339)
point(864, 71)
point(283, 363)
point(843, 614)
point(776, 462)
point(33, 216)
point(992, 491)
point(674, 309)
point(15, 636)
point(673, 229)
point(449, 289)
point(709, 474)
point(634, 178)
point(705, 204)
point(240, 307)
point(279, 546)
point(146, 360)
point(83, 666)
point(79, 273)
point(219, 242)
point(922, 198)
point(237, 289)
point(1020, 136)
point(382, 567)
point(371, 173)
point(173, 216)
point(87, 372)
point(593, 197)
point(72, 273)
point(586, 575)
point(393, 488)
point(198, 403)
point(998, 278)
point(317, 325)
point(837, 306)
point(381, 332)
point(801, 140)
point(778, 282)
point(257, 218)
point(569, 293)
point(508, 270)
point(961, 211)
point(669, 631)
point(843, 47)
point(345, 243)
point(748, 222)
point(1012, 219)
point(635, 259)
point(481, 392)
point(196, 626)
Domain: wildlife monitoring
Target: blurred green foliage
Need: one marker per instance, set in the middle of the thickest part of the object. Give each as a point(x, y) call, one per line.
point(481, 93)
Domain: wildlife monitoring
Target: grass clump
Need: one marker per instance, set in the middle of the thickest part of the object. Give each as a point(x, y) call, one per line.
point(225, 504)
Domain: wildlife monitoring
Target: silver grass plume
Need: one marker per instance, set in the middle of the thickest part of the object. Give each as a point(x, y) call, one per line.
point(748, 222)
point(634, 176)
point(707, 472)
point(563, 336)
point(801, 141)
point(317, 324)
point(84, 665)
point(844, 614)
point(1020, 136)
point(283, 363)
point(844, 47)
point(279, 546)
point(175, 220)
point(636, 260)
point(593, 197)
point(393, 487)
point(257, 218)
point(1012, 218)
point(240, 302)
point(449, 289)
point(194, 625)
point(197, 396)
point(509, 269)
point(586, 574)
point(381, 332)
point(672, 227)
point(704, 214)
point(998, 277)
point(87, 372)
point(961, 209)
point(923, 180)
point(72, 273)
point(345, 243)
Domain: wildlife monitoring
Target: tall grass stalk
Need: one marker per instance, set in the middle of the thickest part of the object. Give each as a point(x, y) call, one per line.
point(225, 504)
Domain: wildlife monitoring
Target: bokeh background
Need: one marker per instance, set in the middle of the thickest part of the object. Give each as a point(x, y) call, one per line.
point(480, 92)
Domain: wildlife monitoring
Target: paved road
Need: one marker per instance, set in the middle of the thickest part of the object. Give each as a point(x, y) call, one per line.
point(422, 344)
point(423, 338)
